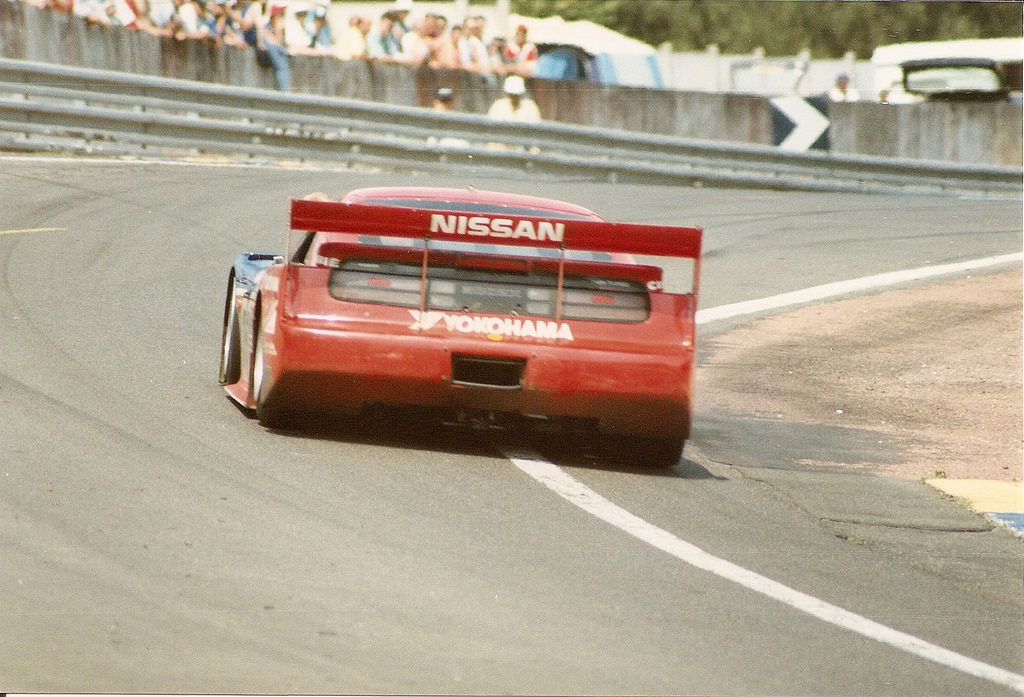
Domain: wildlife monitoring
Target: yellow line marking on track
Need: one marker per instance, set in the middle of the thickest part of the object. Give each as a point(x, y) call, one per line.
point(26, 230)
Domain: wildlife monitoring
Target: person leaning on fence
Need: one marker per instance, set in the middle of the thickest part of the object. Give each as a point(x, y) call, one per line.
point(197, 20)
point(380, 42)
point(384, 39)
point(185, 24)
point(352, 44)
point(211, 20)
point(161, 14)
point(496, 56)
point(472, 50)
point(271, 51)
point(144, 20)
point(520, 54)
point(446, 48)
point(245, 18)
point(105, 13)
point(227, 28)
point(317, 26)
point(315, 35)
point(417, 43)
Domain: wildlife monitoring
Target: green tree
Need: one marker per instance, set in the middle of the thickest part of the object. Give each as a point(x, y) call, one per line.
point(829, 28)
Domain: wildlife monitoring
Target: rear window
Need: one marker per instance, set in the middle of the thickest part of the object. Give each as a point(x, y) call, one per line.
point(454, 289)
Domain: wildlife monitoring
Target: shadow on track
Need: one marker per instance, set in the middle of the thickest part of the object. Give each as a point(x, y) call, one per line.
point(605, 453)
point(428, 430)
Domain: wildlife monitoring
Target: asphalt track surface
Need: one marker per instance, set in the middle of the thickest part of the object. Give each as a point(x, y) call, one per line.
point(154, 539)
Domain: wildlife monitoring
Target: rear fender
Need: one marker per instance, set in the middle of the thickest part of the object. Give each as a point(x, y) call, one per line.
point(249, 265)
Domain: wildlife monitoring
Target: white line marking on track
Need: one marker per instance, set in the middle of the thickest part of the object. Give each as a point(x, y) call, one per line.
point(27, 230)
point(855, 285)
point(578, 494)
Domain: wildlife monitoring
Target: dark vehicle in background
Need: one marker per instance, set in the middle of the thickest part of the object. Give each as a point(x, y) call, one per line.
point(959, 79)
point(962, 70)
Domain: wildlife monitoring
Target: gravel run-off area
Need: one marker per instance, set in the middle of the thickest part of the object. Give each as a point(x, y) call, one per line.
point(935, 368)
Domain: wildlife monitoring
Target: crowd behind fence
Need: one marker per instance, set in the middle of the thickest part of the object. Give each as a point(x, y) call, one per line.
point(277, 31)
point(968, 133)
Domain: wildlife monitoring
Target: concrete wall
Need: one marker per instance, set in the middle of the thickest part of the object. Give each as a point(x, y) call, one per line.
point(968, 132)
point(977, 133)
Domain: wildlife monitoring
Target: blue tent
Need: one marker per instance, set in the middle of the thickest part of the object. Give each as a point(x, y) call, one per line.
point(562, 62)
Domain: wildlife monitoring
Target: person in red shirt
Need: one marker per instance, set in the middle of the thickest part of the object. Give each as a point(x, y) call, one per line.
point(521, 55)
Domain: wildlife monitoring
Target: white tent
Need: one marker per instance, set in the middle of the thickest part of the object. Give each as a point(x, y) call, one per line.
point(592, 38)
point(614, 58)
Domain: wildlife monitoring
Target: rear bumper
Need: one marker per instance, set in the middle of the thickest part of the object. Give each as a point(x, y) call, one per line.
point(626, 392)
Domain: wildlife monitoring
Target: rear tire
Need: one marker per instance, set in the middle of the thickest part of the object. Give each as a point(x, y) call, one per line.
point(267, 413)
point(648, 453)
point(230, 351)
point(661, 453)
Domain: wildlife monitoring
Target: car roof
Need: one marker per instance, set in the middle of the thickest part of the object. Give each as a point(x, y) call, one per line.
point(470, 200)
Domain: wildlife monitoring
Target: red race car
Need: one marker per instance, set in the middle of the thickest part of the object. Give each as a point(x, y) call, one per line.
point(491, 306)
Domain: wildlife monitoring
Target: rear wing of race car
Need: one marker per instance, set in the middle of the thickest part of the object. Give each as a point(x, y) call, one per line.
point(502, 229)
point(516, 230)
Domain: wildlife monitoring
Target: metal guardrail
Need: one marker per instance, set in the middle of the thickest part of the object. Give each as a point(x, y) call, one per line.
point(49, 107)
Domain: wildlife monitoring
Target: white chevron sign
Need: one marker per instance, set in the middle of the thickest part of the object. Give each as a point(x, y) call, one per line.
point(808, 123)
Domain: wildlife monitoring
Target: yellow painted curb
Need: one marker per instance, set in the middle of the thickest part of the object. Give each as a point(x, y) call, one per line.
point(985, 496)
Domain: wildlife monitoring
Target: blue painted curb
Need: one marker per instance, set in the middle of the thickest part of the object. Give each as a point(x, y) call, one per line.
point(1014, 521)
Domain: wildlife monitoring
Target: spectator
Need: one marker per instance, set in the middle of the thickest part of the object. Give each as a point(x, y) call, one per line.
point(272, 51)
point(399, 22)
point(446, 49)
point(443, 99)
point(310, 30)
point(48, 5)
point(514, 106)
point(435, 28)
point(195, 20)
point(185, 22)
point(472, 50)
point(380, 41)
point(161, 12)
point(143, 19)
point(244, 18)
point(122, 13)
point(298, 29)
point(214, 20)
point(267, 38)
point(842, 92)
point(353, 40)
point(316, 34)
point(106, 13)
point(384, 39)
point(521, 55)
point(228, 29)
point(416, 44)
point(496, 55)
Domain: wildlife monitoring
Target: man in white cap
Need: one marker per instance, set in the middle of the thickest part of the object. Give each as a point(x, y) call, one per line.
point(514, 106)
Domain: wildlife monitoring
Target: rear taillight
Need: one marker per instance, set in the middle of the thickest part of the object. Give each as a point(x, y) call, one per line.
point(363, 287)
point(632, 306)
